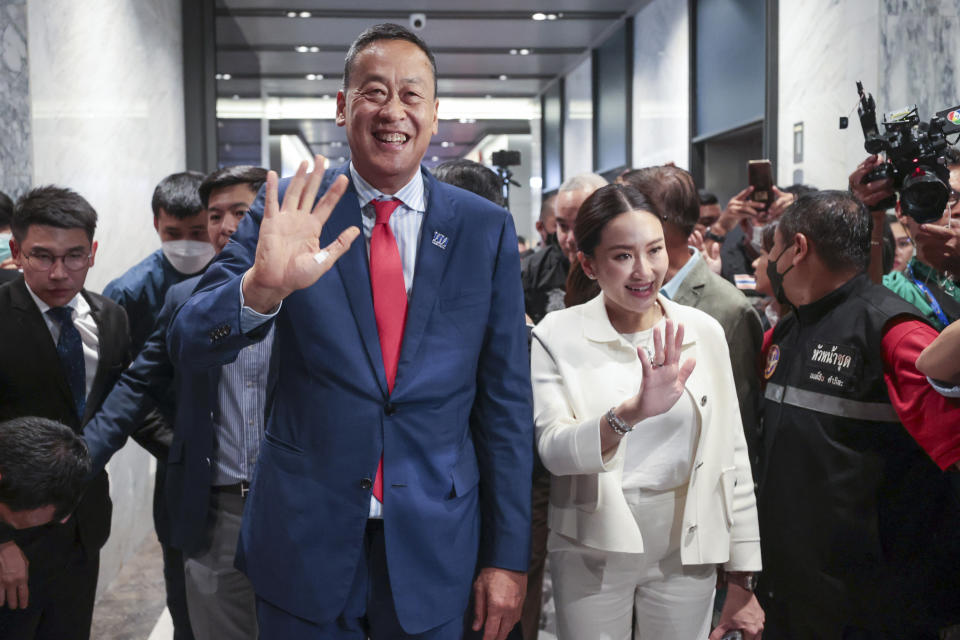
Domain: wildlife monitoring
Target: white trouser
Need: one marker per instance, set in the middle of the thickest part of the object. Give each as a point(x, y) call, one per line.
point(597, 592)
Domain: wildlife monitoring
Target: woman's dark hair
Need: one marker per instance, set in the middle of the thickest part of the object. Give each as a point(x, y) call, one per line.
point(769, 236)
point(605, 204)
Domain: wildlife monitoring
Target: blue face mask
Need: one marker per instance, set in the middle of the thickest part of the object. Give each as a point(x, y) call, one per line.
point(5, 245)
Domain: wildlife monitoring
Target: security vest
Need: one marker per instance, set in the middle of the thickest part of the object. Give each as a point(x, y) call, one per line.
point(855, 519)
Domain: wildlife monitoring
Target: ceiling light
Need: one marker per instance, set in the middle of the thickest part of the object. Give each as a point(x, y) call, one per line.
point(550, 16)
point(227, 76)
point(537, 16)
point(446, 144)
point(467, 120)
point(307, 14)
point(326, 96)
point(236, 96)
point(336, 143)
point(291, 14)
point(314, 76)
point(341, 159)
point(513, 52)
point(503, 76)
point(302, 49)
point(314, 49)
point(524, 52)
point(436, 158)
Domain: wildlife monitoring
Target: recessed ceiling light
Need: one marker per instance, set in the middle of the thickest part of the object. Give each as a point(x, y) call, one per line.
point(550, 16)
point(436, 158)
point(336, 143)
point(467, 120)
point(291, 14)
point(537, 16)
point(446, 144)
point(236, 96)
point(503, 76)
point(302, 49)
point(305, 14)
point(513, 52)
point(227, 76)
point(314, 49)
point(524, 52)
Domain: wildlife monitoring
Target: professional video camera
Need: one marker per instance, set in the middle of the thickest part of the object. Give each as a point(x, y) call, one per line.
point(915, 156)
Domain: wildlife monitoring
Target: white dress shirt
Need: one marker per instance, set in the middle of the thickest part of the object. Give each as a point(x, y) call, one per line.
point(86, 326)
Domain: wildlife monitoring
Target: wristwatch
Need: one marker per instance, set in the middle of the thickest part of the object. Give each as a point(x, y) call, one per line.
point(744, 579)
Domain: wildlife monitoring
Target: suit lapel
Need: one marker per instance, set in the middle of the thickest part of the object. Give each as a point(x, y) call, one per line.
point(34, 331)
point(354, 269)
point(109, 355)
point(440, 223)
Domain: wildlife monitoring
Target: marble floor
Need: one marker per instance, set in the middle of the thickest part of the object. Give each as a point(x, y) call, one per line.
point(133, 607)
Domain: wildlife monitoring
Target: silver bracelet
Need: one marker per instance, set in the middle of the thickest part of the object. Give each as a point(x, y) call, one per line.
point(617, 424)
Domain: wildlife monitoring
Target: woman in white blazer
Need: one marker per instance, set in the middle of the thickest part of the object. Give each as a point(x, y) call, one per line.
point(651, 486)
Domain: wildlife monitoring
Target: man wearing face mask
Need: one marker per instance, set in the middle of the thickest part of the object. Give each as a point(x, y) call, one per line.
point(865, 519)
point(8, 270)
point(185, 250)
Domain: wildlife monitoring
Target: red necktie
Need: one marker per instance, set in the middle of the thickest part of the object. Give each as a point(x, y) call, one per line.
point(389, 301)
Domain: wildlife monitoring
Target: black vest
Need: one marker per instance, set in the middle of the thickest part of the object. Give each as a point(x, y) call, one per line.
point(855, 518)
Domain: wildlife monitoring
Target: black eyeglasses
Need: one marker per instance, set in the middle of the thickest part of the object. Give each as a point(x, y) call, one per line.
point(74, 261)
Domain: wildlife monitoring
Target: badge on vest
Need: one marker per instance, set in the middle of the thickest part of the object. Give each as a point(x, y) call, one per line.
point(831, 365)
point(440, 240)
point(773, 359)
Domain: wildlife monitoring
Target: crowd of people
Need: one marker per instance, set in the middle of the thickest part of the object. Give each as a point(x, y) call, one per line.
point(378, 413)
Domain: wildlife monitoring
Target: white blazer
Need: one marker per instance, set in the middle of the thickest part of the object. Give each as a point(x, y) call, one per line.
point(581, 367)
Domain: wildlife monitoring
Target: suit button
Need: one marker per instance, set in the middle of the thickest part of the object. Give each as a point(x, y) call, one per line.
point(366, 483)
point(390, 409)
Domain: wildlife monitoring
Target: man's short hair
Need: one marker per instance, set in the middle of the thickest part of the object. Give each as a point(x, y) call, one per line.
point(6, 210)
point(953, 156)
point(799, 189)
point(473, 177)
point(707, 197)
point(52, 206)
point(386, 31)
point(548, 208)
point(583, 182)
point(836, 223)
point(42, 462)
point(178, 196)
point(671, 191)
point(253, 177)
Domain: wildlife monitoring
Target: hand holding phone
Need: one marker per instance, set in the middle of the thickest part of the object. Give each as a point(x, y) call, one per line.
point(760, 176)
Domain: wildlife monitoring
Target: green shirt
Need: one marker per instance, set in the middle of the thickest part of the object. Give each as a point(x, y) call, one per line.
point(901, 284)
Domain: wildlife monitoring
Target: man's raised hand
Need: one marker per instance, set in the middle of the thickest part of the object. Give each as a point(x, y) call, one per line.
point(287, 250)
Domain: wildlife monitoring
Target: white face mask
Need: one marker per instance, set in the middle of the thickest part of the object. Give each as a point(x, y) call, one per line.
point(188, 256)
point(5, 245)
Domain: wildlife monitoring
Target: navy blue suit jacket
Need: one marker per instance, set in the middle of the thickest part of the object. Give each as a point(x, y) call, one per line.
point(187, 398)
point(456, 433)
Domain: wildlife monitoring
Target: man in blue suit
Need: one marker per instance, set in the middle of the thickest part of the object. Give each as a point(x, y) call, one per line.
point(397, 456)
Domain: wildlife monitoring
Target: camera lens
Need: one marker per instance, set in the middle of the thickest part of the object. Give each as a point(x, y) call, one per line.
point(924, 196)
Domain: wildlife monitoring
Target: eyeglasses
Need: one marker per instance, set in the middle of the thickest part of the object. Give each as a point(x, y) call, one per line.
point(76, 261)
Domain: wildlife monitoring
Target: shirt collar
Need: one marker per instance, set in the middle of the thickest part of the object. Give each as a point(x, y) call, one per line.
point(597, 326)
point(670, 289)
point(78, 303)
point(411, 194)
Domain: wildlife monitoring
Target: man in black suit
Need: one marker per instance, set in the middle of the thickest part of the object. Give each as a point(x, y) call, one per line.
point(62, 350)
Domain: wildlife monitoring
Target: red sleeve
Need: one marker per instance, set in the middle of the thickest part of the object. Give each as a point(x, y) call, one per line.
point(764, 348)
point(932, 419)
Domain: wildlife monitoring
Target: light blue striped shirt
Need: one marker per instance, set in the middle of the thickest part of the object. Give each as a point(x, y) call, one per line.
point(406, 222)
point(242, 400)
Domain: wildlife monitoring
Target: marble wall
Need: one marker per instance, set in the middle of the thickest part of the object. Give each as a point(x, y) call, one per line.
point(15, 156)
point(661, 72)
point(106, 87)
point(904, 52)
